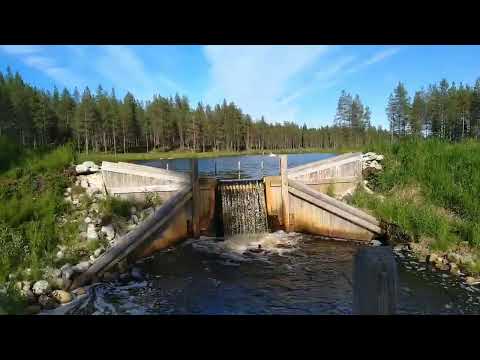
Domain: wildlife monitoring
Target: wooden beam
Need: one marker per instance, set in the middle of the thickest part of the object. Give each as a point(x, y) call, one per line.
point(145, 171)
point(158, 221)
point(145, 189)
point(333, 202)
point(285, 202)
point(195, 200)
point(375, 282)
point(325, 163)
point(336, 210)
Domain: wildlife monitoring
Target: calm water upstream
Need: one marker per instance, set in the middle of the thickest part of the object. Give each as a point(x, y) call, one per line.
point(292, 274)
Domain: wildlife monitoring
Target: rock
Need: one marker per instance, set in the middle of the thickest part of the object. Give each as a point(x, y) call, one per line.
point(91, 233)
point(61, 296)
point(32, 309)
point(471, 280)
point(134, 219)
point(136, 273)
point(109, 231)
point(81, 267)
point(47, 302)
point(64, 267)
point(29, 295)
point(375, 243)
point(81, 169)
point(98, 252)
point(87, 220)
point(133, 210)
point(79, 291)
point(148, 212)
point(66, 284)
point(60, 254)
point(41, 287)
point(95, 208)
point(92, 258)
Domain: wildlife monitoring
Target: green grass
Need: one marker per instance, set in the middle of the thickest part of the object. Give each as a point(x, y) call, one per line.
point(431, 188)
point(31, 199)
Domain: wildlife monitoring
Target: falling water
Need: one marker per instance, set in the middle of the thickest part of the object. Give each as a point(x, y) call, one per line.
point(243, 207)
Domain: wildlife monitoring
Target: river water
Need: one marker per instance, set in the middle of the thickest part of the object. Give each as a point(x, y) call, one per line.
point(289, 274)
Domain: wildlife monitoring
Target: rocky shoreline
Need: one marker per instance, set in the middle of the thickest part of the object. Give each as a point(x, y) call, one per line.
point(94, 237)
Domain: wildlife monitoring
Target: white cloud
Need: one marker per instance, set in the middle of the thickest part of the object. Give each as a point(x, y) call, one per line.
point(126, 70)
point(375, 58)
point(259, 78)
point(33, 56)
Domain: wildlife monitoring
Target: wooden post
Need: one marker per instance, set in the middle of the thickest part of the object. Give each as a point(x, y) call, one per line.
point(285, 202)
point(375, 281)
point(195, 200)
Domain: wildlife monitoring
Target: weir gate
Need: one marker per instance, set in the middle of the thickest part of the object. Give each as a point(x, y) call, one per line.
point(294, 201)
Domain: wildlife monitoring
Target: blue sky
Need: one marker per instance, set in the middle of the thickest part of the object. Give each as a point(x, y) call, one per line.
point(283, 83)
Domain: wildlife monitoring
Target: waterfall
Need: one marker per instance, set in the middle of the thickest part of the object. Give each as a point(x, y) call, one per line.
point(243, 207)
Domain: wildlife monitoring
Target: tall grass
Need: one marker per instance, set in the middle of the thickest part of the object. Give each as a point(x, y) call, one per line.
point(31, 198)
point(447, 176)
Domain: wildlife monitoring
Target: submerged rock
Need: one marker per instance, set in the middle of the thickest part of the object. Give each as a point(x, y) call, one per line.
point(61, 296)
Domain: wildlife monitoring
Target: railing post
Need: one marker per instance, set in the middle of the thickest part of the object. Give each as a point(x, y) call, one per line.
point(375, 281)
point(195, 200)
point(285, 198)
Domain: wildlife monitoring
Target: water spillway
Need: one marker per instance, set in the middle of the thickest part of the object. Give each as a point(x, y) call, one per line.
point(243, 207)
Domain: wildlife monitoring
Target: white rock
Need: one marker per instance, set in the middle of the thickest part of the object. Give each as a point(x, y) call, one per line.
point(375, 243)
point(41, 287)
point(109, 231)
point(81, 266)
point(61, 296)
point(88, 220)
point(134, 219)
point(98, 252)
point(91, 233)
point(60, 254)
point(92, 258)
point(81, 169)
point(380, 157)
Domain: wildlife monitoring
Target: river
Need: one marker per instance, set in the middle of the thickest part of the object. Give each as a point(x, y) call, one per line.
point(291, 273)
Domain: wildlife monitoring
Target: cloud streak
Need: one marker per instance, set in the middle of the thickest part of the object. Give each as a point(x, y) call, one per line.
point(258, 78)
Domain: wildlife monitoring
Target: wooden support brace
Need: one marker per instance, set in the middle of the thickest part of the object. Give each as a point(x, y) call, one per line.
point(285, 199)
point(195, 200)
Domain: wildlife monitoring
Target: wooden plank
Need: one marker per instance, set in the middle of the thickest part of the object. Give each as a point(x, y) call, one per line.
point(285, 196)
point(333, 202)
point(336, 211)
point(325, 163)
point(275, 181)
point(162, 172)
point(196, 200)
point(145, 171)
point(132, 240)
point(375, 282)
point(145, 189)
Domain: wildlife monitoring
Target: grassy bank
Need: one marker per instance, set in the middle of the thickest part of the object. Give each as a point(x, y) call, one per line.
point(431, 189)
point(155, 155)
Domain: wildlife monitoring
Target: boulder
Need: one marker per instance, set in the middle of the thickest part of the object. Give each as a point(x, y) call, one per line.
point(91, 233)
point(81, 266)
point(61, 296)
point(98, 252)
point(81, 169)
point(41, 287)
point(109, 231)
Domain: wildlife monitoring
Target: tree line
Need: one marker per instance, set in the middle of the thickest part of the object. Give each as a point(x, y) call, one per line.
point(100, 121)
point(443, 110)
